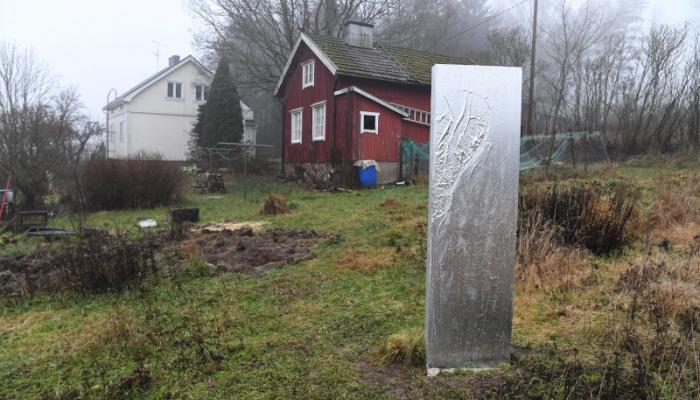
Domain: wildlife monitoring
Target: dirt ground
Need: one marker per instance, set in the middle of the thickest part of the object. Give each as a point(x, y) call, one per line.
point(243, 250)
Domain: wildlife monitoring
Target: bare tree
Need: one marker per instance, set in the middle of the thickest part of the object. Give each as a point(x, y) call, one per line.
point(39, 134)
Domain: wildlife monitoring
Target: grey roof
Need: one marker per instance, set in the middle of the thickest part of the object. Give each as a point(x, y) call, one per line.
point(382, 62)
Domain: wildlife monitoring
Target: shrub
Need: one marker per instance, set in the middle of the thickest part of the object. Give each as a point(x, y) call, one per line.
point(591, 216)
point(274, 204)
point(145, 181)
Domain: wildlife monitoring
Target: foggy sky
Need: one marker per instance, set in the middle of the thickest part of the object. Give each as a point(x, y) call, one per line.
point(96, 45)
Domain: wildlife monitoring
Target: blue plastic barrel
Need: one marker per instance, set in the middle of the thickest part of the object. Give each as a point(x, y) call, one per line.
point(368, 176)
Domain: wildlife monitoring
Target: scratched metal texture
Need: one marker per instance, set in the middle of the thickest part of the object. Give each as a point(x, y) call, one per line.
point(474, 144)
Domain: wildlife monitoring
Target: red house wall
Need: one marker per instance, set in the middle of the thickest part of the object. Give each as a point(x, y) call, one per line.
point(350, 145)
point(419, 133)
point(295, 97)
point(408, 95)
point(382, 146)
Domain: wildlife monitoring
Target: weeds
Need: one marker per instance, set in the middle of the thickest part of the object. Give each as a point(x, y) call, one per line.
point(89, 264)
point(274, 204)
point(591, 216)
point(407, 348)
point(658, 333)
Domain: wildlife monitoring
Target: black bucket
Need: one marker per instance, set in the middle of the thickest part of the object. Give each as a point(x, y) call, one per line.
point(185, 215)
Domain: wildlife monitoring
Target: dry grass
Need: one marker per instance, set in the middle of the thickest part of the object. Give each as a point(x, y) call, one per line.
point(274, 204)
point(672, 207)
point(542, 263)
point(593, 216)
point(363, 260)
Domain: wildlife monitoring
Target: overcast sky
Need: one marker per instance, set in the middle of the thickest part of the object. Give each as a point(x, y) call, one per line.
point(96, 45)
point(99, 44)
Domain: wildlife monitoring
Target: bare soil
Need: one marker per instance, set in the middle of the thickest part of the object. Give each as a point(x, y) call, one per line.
point(243, 250)
point(236, 250)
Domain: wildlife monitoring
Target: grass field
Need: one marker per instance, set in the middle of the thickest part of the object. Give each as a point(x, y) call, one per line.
point(314, 330)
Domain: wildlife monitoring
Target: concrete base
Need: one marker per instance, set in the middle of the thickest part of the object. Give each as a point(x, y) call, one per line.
point(318, 175)
point(433, 372)
point(388, 172)
point(311, 174)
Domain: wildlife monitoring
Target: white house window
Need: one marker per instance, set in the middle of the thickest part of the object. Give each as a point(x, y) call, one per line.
point(369, 122)
point(308, 70)
point(121, 131)
point(296, 125)
point(111, 133)
point(174, 90)
point(318, 121)
point(201, 92)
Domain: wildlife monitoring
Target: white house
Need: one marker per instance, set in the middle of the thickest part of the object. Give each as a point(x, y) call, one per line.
point(157, 115)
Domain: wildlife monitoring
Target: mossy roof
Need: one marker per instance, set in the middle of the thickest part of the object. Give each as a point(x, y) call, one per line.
point(382, 62)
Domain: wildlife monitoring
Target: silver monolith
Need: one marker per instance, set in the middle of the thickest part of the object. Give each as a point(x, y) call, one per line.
point(474, 166)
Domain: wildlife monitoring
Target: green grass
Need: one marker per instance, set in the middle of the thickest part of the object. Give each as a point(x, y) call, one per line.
point(309, 331)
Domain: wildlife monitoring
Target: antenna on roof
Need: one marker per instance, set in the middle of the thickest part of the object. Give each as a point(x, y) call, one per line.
point(157, 54)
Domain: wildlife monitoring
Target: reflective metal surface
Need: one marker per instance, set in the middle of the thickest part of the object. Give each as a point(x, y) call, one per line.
point(474, 170)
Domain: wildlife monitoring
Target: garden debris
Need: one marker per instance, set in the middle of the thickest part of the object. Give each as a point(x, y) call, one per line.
point(49, 233)
point(244, 251)
point(181, 215)
point(274, 204)
point(228, 226)
point(92, 264)
point(210, 182)
point(147, 223)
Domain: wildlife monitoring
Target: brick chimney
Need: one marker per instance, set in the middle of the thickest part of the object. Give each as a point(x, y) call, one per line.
point(359, 34)
point(174, 59)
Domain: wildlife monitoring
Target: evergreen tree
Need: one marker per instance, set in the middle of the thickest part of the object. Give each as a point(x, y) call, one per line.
point(220, 119)
point(196, 133)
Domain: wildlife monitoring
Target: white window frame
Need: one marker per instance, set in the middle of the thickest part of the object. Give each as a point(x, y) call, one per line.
point(318, 108)
point(174, 96)
point(362, 122)
point(204, 91)
point(307, 71)
point(296, 128)
point(121, 131)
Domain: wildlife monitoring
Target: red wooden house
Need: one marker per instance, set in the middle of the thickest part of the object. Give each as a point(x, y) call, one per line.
point(349, 99)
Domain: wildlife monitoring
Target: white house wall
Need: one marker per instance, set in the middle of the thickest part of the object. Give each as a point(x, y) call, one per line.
point(161, 133)
point(117, 144)
point(161, 124)
point(156, 123)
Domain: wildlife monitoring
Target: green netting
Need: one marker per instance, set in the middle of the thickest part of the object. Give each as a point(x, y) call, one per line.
point(534, 151)
point(414, 158)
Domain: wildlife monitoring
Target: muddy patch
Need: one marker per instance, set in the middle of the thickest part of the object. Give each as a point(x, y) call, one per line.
point(246, 251)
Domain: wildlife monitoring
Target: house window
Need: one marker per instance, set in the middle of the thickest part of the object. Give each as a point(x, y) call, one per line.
point(318, 121)
point(369, 122)
point(174, 90)
point(121, 131)
point(308, 69)
point(201, 92)
point(111, 133)
point(296, 125)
